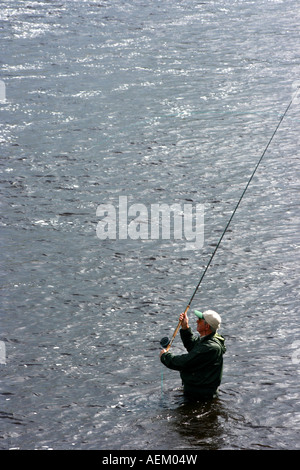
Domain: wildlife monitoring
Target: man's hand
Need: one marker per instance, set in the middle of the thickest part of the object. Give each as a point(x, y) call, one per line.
point(184, 321)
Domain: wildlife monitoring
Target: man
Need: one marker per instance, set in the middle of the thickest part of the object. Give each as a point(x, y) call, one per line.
point(201, 368)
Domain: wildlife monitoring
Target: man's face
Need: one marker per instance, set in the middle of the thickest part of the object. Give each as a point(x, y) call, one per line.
point(201, 326)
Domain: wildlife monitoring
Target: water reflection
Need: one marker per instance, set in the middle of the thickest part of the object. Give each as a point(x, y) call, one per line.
point(197, 424)
point(200, 424)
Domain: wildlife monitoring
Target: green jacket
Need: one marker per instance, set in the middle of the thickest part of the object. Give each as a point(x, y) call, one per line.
point(201, 368)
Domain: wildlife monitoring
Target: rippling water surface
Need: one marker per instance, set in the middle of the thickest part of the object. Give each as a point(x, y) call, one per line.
point(162, 102)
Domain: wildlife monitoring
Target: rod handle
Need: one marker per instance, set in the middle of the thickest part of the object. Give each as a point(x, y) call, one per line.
point(176, 331)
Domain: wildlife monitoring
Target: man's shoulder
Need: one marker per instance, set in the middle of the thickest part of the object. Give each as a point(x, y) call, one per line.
point(218, 342)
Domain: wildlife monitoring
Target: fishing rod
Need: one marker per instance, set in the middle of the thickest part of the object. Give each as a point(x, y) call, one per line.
point(165, 342)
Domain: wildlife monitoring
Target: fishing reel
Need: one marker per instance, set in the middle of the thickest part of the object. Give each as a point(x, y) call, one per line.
point(165, 341)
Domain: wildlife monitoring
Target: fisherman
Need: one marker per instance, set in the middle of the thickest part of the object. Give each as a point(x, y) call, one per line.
point(201, 367)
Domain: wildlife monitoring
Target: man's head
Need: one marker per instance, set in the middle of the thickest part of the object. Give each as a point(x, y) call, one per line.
point(208, 322)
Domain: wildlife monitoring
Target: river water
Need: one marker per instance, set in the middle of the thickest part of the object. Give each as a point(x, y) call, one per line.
point(158, 102)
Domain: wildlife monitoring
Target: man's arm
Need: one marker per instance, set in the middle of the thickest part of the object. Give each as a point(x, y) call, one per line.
point(186, 334)
point(174, 362)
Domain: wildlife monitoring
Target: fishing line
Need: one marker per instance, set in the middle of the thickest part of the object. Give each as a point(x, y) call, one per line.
point(161, 381)
point(165, 342)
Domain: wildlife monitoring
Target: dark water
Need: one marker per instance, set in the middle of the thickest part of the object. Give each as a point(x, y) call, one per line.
point(162, 102)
